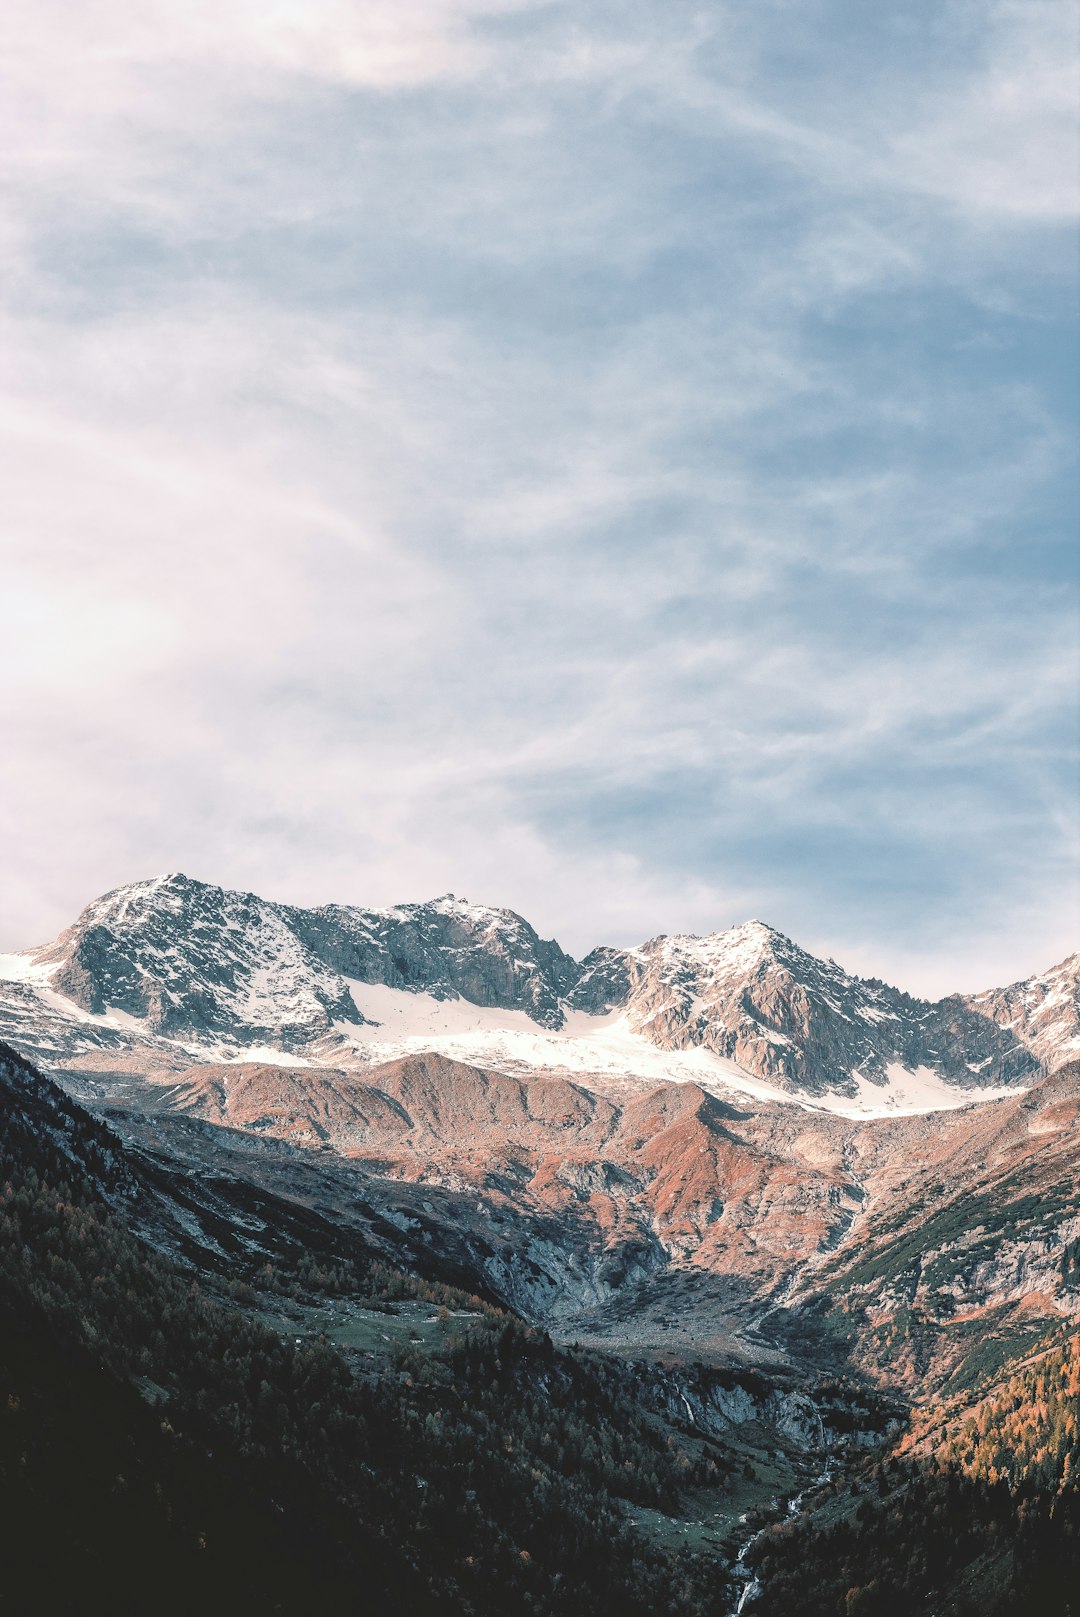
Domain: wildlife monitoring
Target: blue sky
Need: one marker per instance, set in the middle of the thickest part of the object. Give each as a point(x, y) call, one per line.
point(613, 460)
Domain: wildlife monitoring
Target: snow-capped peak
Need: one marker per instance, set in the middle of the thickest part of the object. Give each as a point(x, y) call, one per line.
point(189, 961)
point(740, 948)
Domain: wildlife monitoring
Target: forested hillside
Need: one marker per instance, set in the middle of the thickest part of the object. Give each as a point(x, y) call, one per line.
point(161, 1448)
point(981, 1515)
point(1027, 1431)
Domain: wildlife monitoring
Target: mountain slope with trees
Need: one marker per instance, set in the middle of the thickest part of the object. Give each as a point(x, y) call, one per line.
point(976, 1512)
point(168, 1444)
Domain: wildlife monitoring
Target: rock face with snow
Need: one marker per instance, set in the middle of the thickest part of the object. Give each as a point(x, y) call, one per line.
point(756, 998)
point(189, 960)
point(446, 948)
point(174, 966)
point(1042, 1012)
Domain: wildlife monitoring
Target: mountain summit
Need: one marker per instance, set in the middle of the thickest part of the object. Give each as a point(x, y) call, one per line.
point(178, 964)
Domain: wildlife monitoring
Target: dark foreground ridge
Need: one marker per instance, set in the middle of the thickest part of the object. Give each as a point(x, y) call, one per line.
point(164, 1450)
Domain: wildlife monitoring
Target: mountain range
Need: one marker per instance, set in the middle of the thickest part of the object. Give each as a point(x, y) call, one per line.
point(652, 1146)
point(761, 1198)
point(176, 965)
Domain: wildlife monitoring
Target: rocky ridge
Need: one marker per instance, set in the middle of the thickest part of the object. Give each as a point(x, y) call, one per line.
point(669, 1175)
point(669, 1221)
point(756, 998)
point(172, 966)
point(1043, 1012)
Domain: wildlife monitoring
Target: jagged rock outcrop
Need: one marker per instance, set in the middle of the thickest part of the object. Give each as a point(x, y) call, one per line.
point(447, 947)
point(1041, 1012)
point(190, 960)
point(603, 982)
point(754, 997)
point(172, 967)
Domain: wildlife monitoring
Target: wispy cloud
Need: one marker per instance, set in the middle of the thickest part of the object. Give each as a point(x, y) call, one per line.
point(615, 463)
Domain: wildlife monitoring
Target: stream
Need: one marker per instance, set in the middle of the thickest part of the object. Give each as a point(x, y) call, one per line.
point(751, 1585)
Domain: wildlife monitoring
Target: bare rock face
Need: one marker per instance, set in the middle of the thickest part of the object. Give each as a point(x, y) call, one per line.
point(971, 1224)
point(673, 1175)
point(603, 982)
point(585, 1208)
point(447, 948)
point(179, 960)
point(1043, 1012)
point(754, 997)
point(190, 960)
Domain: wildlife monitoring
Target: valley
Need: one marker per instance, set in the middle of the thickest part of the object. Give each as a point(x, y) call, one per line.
point(791, 1218)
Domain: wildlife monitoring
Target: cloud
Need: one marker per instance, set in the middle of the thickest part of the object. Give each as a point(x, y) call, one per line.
point(595, 463)
point(1007, 140)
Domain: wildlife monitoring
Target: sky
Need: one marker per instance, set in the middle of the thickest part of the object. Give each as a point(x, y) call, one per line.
point(616, 460)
